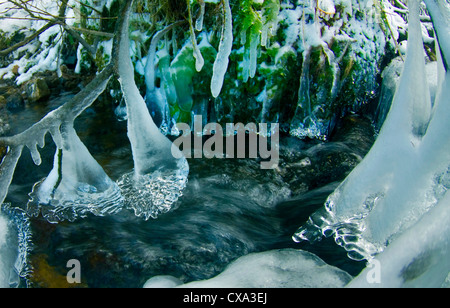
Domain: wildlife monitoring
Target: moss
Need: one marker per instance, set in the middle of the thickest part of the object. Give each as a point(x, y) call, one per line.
point(46, 276)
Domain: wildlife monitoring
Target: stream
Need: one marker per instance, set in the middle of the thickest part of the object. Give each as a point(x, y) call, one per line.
point(230, 208)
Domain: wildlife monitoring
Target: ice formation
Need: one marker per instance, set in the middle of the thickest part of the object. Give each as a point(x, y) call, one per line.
point(222, 59)
point(81, 191)
point(359, 39)
point(15, 245)
point(4, 268)
point(158, 178)
point(77, 185)
point(417, 258)
point(403, 179)
point(199, 21)
point(284, 268)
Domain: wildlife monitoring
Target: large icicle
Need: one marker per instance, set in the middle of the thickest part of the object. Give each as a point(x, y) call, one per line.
point(226, 43)
point(158, 178)
point(404, 175)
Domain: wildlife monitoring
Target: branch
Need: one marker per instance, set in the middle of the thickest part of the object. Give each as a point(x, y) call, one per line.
point(93, 32)
point(79, 38)
point(6, 51)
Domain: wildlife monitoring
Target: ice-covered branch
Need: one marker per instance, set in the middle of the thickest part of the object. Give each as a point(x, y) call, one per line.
point(77, 184)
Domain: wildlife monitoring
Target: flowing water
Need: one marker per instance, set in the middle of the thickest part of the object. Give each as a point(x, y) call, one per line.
point(229, 208)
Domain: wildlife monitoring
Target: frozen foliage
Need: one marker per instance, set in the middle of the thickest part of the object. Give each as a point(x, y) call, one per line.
point(284, 268)
point(335, 36)
point(158, 178)
point(404, 177)
point(226, 44)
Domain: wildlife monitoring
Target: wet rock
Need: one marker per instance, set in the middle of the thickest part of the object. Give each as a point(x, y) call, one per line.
point(14, 101)
point(37, 90)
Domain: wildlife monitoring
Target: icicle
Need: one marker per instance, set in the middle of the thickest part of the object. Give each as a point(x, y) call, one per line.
point(199, 21)
point(254, 54)
point(158, 178)
point(304, 123)
point(226, 43)
point(35, 154)
point(199, 61)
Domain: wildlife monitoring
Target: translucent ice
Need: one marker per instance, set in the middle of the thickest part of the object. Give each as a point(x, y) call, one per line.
point(226, 44)
point(34, 138)
point(4, 269)
point(418, 258)
point(158, 178)
point(15, 239)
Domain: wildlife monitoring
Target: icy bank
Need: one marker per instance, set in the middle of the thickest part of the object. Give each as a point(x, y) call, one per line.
point(401, 184)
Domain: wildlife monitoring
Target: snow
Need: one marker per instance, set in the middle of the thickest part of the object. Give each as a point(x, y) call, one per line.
point(284, 268)
point(226, 43)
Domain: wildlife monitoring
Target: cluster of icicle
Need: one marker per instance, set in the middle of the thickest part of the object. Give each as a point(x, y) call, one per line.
point(394, 207)
point(78, 185)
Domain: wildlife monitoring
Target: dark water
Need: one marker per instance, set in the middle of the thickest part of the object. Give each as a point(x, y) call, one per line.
point(230, 208)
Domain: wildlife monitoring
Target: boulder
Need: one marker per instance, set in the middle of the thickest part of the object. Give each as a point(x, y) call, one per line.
point(37, 90)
